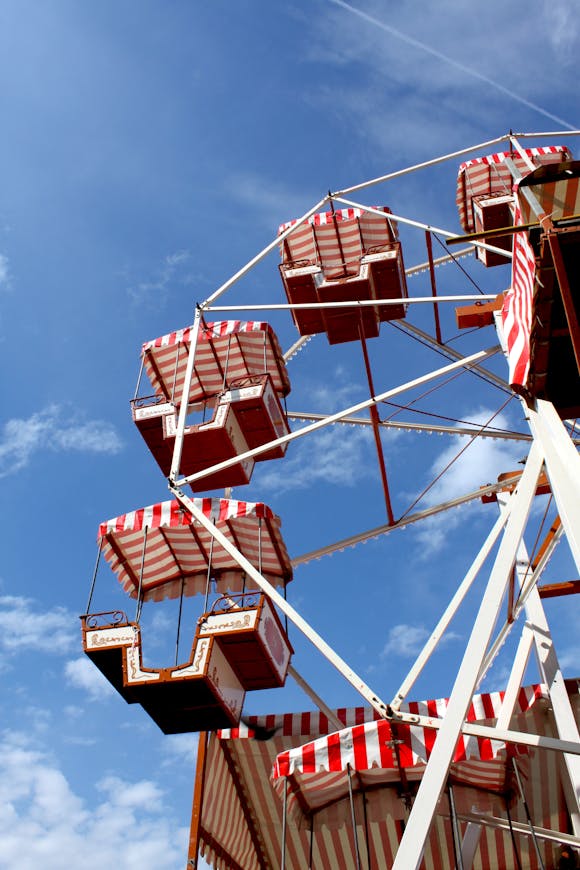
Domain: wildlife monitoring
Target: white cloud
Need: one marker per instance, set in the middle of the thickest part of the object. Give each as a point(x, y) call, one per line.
point(405, 640)
point(43, 823)
point(273, 202)
point(53, 428)
point(408, 640)
point(335, 455)
point(481, 462)
point(4, 272)
point(562, 26)
point(173, 270)
point(23, 629)
point(82, 674)
point(180, 748)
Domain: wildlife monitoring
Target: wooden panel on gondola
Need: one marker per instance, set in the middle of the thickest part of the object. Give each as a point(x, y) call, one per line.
point(201, 695)
point(493, 213)
point(252, 638)
point(259, 413)
point(204, 444)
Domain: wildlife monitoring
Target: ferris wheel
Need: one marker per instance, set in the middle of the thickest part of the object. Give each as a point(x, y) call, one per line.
point(364, 787)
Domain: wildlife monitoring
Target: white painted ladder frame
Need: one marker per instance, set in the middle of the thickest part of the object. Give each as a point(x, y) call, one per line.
point(433, 781)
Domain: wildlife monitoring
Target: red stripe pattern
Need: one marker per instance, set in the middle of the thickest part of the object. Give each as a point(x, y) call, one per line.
point(517, 308)
point(336, 241)
point(363, 747)
point(241, 795)
point(226, 350)
point(488, 176)
point(174, 549)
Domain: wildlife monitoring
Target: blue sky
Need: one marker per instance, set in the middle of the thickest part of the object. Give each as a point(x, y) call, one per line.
point(150, 149)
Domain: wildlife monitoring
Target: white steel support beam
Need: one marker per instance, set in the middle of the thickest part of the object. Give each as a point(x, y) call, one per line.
point(551, 675)
point(315, 698)
point(448, 614)
point(413, 841)
point(361, 687)
point(335, 418)
point(421, 226)
point(520, 828)
point(473, 832)
point(562, 467)
point(492, 732)
point(179, 436)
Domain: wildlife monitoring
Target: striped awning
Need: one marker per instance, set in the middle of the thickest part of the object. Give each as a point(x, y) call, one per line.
point(556, 189)
point(241, 813)
point(517, 307)
point(226, 351)
point(336, 241)
point(489, 176)
point(176, 551)
point(380, 746)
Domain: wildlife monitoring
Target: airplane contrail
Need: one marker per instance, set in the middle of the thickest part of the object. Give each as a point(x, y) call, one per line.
point(454, 63)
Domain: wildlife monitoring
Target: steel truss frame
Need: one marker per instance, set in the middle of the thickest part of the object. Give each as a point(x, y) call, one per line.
point(551, 449)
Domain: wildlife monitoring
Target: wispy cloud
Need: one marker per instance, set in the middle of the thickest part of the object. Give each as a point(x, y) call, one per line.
point(336, 455)
point(469, 70)
point(4, 272)
point(175, 269)
point(482, 462)
point(43, 822)
point(270, 201)
point(82, 674)
point(563, 29)
point(404, 640)
point(407, 641)
point(24, 628)
point(54, 428)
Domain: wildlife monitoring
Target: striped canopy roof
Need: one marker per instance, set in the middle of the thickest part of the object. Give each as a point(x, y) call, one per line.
point(336, 241)
point(175, 549)
point(489, 176)
point(226, 350)
point(556, 188)
point(241, 813)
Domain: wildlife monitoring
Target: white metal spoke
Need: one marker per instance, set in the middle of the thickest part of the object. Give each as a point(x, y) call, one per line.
point(562, 467)
point(413, 841)
point(324, 648)
point(334, 418)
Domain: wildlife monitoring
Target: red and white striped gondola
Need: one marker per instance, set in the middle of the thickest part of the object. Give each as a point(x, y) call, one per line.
point(235, 780)
point(485, 194)
point(340, 256)
point(161, 552)
point(541, 310)
point(238, 382)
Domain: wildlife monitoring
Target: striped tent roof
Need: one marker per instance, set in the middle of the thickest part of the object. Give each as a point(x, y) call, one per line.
point(489, 176)
point(226, 351)
point(336, 241)
point(241, 812)
point(175, 549)
point(557, 189)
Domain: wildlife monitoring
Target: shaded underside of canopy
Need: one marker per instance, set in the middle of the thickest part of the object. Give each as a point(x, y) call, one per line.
point(168, 551)
point(241, 813)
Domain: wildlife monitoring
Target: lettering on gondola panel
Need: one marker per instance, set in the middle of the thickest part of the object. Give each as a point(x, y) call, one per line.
point(219, 623)
point(109, 637)
point(154, 411)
